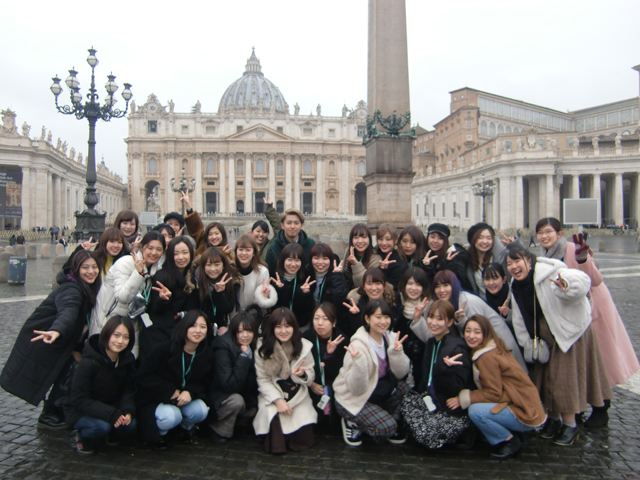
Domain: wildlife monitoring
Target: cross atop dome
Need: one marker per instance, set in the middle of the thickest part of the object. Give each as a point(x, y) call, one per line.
point(253, 63)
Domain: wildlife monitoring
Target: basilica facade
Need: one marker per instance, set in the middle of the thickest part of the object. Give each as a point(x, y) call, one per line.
point(252, 148)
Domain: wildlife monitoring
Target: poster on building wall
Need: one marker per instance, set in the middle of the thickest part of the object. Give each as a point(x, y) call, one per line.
point(10, 194)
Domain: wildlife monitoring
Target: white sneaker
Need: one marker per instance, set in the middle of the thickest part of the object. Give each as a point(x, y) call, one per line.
point(350, 433)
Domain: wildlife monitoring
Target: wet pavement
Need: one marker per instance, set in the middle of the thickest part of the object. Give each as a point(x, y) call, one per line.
point(614, 452)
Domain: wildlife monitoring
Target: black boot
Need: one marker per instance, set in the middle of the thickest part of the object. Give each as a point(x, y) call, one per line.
point(508, 449)
point(599, 417)
point(550, 428)
point(566, 435)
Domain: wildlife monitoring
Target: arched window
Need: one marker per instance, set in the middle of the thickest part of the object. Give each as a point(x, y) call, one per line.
point(500, 129)
point(279, 168)
point(185, 164)
point(153, 165)
point(483, 128)
point(492, 129)
point(240, 206)
point(332, 167)
point(280, 206)
point(260, 166)
point(211, 166)
point(515, 130)
point(306, 169)
point(239, 168)
point(508, 130)
point(361, 169)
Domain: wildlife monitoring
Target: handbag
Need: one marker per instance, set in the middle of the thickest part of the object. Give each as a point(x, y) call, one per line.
point(137, 306)
point(536, 350)
point(289, 388)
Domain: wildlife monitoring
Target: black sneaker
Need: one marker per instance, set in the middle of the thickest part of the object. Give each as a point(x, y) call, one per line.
point(350, 433)
point(508, 449)
point(84, 447)
point(567, 435)
point(189, 437)
point(111, 439)
point(551, 427)
point(398, 439)
point(218, 439)
point(51, 421)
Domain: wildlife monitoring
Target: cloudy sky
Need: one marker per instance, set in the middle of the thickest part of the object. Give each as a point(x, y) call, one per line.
point(562, 54)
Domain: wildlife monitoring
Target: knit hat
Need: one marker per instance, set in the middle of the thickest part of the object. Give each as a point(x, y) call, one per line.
point(175, 215)
point(440, 228)
point(479, 227)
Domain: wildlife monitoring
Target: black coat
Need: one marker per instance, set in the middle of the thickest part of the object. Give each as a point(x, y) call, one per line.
point(223, 304)
point(356, 321)
point(32, 368)
point(413, 346)
point(458, 265)
point(447, 381)
point(332, 363)
point(394, 271)
point(160, 375)
point(99, 388)
point(234, 373)
point(162, 313)
point(302, 305)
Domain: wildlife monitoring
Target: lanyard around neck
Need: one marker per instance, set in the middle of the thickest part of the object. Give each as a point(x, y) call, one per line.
point(212, 304)
point(146, 291)
point(295, 283)
point(320, 359)
point(186, 374)
point(434, 357)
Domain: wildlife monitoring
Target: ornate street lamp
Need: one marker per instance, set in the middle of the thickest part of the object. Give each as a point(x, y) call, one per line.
point(90, 223)
point(484, 189)
point(182, 186)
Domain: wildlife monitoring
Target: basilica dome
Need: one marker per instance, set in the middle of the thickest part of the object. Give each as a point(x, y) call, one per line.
point(254, 88)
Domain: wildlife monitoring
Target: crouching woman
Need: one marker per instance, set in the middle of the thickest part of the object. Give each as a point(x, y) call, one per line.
point(371, 384)
point(284, 366)
point(506, 400)
point(101, 401)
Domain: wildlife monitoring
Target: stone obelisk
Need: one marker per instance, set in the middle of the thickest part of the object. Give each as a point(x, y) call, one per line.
point(389, 134)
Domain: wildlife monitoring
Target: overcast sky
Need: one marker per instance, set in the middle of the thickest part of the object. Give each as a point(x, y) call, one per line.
point(562, 54)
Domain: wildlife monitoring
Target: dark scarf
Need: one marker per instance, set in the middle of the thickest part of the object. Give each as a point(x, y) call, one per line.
point(245, 271)
point(499, 298)
point(524, 293)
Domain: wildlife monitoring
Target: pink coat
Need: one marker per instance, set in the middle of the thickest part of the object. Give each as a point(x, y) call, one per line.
point(617, 352)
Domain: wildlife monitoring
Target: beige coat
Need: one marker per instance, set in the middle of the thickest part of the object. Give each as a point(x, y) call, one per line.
point(278, 367)
point(358, 376)
point(357, 271)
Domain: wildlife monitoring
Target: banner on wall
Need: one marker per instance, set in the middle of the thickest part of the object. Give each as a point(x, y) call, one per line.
point(10, 194)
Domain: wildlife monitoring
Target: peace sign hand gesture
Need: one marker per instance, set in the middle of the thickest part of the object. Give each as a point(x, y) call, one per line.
point(185, 200)
point(222, 284)
point(88, 245)
point(507, 240)
point(560, 282)
point(452, 361)
point(337, 267)
point(135, 246)
point(582, 249)
point(353, 308)
point(504, 308)
point(398, 344)
point(138, 263)
point(384, 264)
point(352, 350)
point(333, 344)
point(278, 283)
point(226, 250)
point(306, 286)
point(165, 293)
point(266, 292)
point(451, 255)
point(299, 371)
point(419, 310)
point(47, 337)
point(428, 257)
point(460, 314)
point(351, 259)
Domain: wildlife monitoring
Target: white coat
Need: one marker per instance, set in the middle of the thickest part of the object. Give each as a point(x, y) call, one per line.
point(251, 290)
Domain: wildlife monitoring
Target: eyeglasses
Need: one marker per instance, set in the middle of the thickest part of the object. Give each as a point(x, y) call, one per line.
point(547, 232)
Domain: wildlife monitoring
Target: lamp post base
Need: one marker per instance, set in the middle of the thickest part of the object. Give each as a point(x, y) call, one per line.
point(89, 223)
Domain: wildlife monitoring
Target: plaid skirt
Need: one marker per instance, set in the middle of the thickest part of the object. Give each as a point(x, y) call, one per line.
point(433, 430)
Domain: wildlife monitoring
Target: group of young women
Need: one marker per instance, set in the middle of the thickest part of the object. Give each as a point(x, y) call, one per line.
point(163, 332)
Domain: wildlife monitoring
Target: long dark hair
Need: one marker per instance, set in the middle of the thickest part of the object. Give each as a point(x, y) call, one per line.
point(291, 250)
point(174, 276)
point(247, 322)
point(419, 277)
point(205, 284)
point(371, 307)
point(488, 334)
point(111, 234)
point(442, 253)
point(110, 327)
point(151, 236)
point(473, 251)
point(269, 339)
point(360, 230)
point(127, 216)
point(516, 251)
point(447, 277)
point(418, 238)
point(247, 241)
point(91, 290)
point(179, 333)
point(221, 229)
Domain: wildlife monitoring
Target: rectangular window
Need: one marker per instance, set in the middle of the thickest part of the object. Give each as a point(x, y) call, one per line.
point(601, 121)
point(238, 128)
point(307, 131)
point(590, 123)
point(491, 106)
point(210, 129)
point(454, 209)
point(280, 129)
point(507, 145)
point(469, 123)
point(483, 107)
point(211, 184)
point(443, 209)
point(332, 133)
point(434, 209)
point(529, 115)
point(536, 118)
point(487, 151)
point(361, 131)
point(280, 184)
point(506, 110)
point(499, 108)
point(469, 137)
point(152, 126)
point(569, 141)
point(417, 210)
point(307, 184)
point(185, 129)
point(466, 209)
point(239, 184)
point(279, 169)
point(625, 116)
point(556, 121)
point(522, 113)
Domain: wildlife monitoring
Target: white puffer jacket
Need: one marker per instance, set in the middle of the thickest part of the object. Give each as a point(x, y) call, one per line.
point(251, 290)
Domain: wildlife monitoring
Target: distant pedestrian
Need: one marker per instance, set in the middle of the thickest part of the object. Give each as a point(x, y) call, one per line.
point(21, 240)
point(12, 240)
point(531, 240)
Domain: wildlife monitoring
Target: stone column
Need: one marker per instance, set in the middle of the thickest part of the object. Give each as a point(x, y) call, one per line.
point(198, 204)
point(495, 202)
point(49, 205)
point(618, 199)
point(287, 181)
point(248, 181)
point(518, 220)
point(345, 194)
point(138, 201)
point(63, 203)
point(25, 197)
point(319, 184)
point(505, 203)
point(222, 184)
point(232, 182)
point(272, 178)
point(296, 182)
point(596, 193)
point(635, 205)
point(575, 186)
point(171, 173)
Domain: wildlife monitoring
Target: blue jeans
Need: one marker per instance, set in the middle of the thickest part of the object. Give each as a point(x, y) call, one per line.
point(93, 428)
point(496, 427)
point(170, 416)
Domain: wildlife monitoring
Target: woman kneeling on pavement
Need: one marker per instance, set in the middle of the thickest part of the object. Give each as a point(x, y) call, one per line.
point(506, 400)
point(173, 382)
point(372, 381)
point(101, 401)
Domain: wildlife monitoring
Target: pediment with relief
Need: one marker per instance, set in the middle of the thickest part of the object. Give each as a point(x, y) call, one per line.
point(260, 133)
